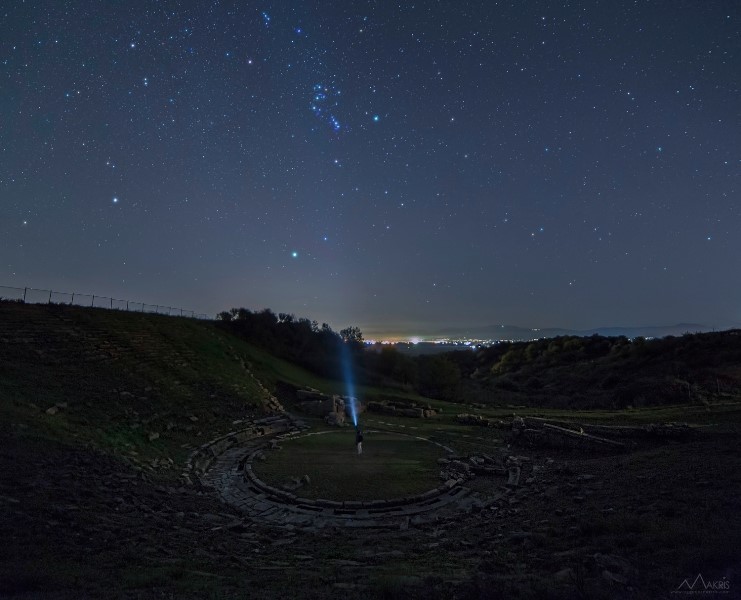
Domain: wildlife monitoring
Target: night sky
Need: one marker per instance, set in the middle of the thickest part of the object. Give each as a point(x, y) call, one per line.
point(402, 167)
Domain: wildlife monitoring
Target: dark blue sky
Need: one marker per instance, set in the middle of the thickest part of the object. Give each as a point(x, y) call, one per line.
point(397, 166)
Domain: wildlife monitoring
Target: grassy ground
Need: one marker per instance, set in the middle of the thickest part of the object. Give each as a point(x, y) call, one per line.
point(391, 465)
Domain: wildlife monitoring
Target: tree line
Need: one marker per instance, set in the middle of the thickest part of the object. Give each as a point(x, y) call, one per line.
point(318, 348)
point(566, 371)
point(299, 340)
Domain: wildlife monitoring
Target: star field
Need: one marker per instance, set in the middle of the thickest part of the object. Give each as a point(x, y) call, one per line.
point(399, 167)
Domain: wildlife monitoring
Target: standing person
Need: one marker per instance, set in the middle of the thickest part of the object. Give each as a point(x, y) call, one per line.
point(359, 440)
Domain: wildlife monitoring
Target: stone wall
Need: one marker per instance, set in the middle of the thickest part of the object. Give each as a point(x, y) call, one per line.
point(202, 457)
point(649, 431)
point(412, 411)
point(318, 407)
point(469, 419)
point(335, 409)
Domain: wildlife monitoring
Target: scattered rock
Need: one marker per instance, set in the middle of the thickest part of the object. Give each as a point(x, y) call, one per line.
point(341, 562)
point(566, 554)
point(336, 419)
point(614, 578)
point(551, 491)
point(566, 575)
point(153, 436)
point(612, 562)
point(469, 419)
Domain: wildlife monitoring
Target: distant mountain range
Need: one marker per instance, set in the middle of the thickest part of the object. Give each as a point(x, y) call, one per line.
point(513, 332)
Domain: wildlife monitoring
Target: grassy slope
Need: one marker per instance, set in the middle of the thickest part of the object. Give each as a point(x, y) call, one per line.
point(271, 369)
point(123, 378)
point(611, 372)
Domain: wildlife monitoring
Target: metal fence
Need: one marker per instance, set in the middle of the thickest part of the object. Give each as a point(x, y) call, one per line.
point(36, 296)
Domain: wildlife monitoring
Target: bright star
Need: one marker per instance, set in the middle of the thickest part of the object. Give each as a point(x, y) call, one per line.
point(115, 200)
point(376, 118)
point(294, 254)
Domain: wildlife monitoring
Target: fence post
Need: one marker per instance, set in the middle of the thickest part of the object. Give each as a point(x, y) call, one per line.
point(92, 302)
point(181, 312)
point(49, 296)
point(73, 299)
point(127, 306)
point(111, 303)
point(24, 295)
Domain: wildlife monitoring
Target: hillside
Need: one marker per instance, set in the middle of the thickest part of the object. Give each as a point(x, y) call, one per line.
point(606, 372)
point(140, 385)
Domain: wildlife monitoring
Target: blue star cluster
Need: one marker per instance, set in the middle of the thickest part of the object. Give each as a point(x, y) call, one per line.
point(397, 166)
point(324, 104)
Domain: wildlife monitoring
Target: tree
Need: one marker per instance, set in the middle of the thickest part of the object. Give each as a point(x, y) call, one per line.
point(438, 376)
point(351, 335)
